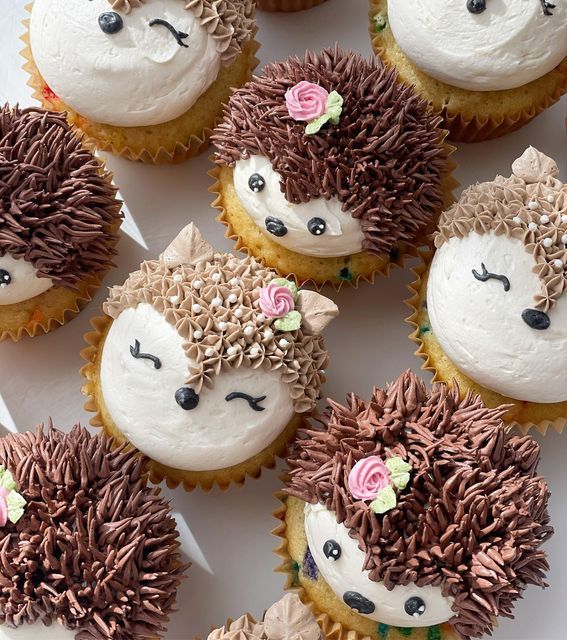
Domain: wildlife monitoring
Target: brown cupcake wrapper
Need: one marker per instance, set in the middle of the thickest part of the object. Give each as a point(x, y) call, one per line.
point(471, 127)
point(402, 255)
point(181, 152)
point(332, 629)
point(288, 5)
point(158, 473)
point(415, 304)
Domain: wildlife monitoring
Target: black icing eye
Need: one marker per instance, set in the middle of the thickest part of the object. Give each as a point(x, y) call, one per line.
point(186, 398)
point(547, 7)
point(5, 278)
point(414, 607)
point(317, 226)
point(110, 22)
point(476, 6)
point(332, 550)
point(253, 403)
point(256, 183)
point(136, 353)
point(485, 276)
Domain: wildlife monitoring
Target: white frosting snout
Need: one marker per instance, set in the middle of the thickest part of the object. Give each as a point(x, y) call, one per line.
point(344, 573)
point(316, 228)
point(509, 44)
point(19, 281)
point(149, 71)
point(218, 432)
point(480, 327)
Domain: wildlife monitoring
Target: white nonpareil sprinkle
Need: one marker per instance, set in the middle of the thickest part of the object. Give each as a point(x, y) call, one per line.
point(550, 198)
point(197, 284)
point(177, 277)
point(232, 298)
point(564, 239)
point(216, 277)
point(268, 334)
point(544, 219)
point(517, 220)
point(222, 326)
point(249, 331)
point(216, 302)
point(239, 313)
point(261, 318)
point(558, 264)
point(210, 352)
point(232, 351)
point(532, 226)
point(196, 308)
point(547, 242)
point(283, 343)
point(564, 218)
point(533, 205)
point(234, 282)
point(198, 335)
point(254, 351)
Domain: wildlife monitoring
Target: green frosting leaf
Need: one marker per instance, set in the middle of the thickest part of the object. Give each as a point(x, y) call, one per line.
point(385, 500)
point(283, 282)
point(6, 480)
point(290, 322)
point(16, 504)
point(334, 107)
point(315, 125)
point(399, 471)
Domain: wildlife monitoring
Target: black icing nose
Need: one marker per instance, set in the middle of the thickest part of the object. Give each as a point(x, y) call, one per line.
point(358, 602)
point(276, 227)
point(537, 320)
point(186, 398)
point(110, 22)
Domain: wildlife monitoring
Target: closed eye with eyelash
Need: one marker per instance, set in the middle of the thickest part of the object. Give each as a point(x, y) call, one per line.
point(254, 403)
point(485, 276)
point(135, 351)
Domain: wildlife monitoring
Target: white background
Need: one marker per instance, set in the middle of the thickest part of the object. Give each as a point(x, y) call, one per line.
point(368, 344)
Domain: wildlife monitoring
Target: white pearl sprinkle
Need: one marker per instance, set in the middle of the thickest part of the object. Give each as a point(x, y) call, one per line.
point(564, 239)
point(547, 242)
point(239, 313)
point(196, 308)
point(249, 331)
point(222, 326)
point(210, 352)
point(544, 219)
point(254, 351)
point(216, 302)
point(232, 351)
point(216, 277)
point(558, 264)
point(268, 334)
point(232, 298)
point(532, 226)
point(234, 282)
point(197, 284)
point(517, 219)
point(198, 335)
point(174, 299)
point(564, 218)
point(550, 198)
point(177, 277)
point(533, 205)
point(322, 372)
point(261, 318)
point(283, 343)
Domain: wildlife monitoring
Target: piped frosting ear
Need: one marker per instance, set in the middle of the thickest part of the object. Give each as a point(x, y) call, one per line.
point(189, 247)
point(534, 166)
point(316, 311)
point(290, 619)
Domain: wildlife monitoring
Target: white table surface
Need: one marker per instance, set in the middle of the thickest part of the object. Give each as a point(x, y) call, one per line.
point(230, 532)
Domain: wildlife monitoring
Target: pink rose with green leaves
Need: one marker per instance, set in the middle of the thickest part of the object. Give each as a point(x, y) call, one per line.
point(306, 101)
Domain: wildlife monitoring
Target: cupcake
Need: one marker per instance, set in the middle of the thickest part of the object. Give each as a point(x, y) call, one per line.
point(145, 79)
point(487, 69)
point(491, 306)
point(88, 549)
point(414, 514)
point(288, 619)
point(287, 5)
point(59, 220)
point(328, 169)
point(206, 363)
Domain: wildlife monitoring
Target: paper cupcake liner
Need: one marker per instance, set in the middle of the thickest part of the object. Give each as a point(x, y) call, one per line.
point(521, 415)
point(205, 480)
point(376, 265)
point(467, 124)
point(292, 554)
point(288, 5)
point(179, 152)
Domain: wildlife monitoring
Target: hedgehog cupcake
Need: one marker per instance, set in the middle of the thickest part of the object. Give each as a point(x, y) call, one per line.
point(328, 169)
point(206, 362)
point(145, 79)
point(488, 67)
point(491, 307)
point(288, 619)
point(59, 220)
point(88, 549)
point(414, 514)
point(288, 5)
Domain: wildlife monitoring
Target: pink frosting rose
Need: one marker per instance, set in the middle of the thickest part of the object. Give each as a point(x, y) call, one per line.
point(276, 301)
point(306, 101)
point(3, 506)
point(368, 477)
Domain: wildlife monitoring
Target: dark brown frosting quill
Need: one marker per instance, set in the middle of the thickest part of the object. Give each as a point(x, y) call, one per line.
point(384, 160)
point(474, 515)
point(58, 210)
point(96, 548)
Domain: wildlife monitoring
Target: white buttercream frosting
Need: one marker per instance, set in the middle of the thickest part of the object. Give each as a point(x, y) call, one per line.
point(479, 325)
point(141, 399)
point(508, 45)
point(139, 76)
point(342, 234)
point(346, 574)
point(23, 283)
point(37, 631)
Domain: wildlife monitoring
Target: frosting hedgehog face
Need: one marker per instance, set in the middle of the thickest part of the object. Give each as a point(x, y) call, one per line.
point(210, 356)
point(136, 62)
point(496, 289)
point(420, 509)
point(88, 550)
point(331, 157)
point(288, 619)
point(481, 45)
point(58, 211)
